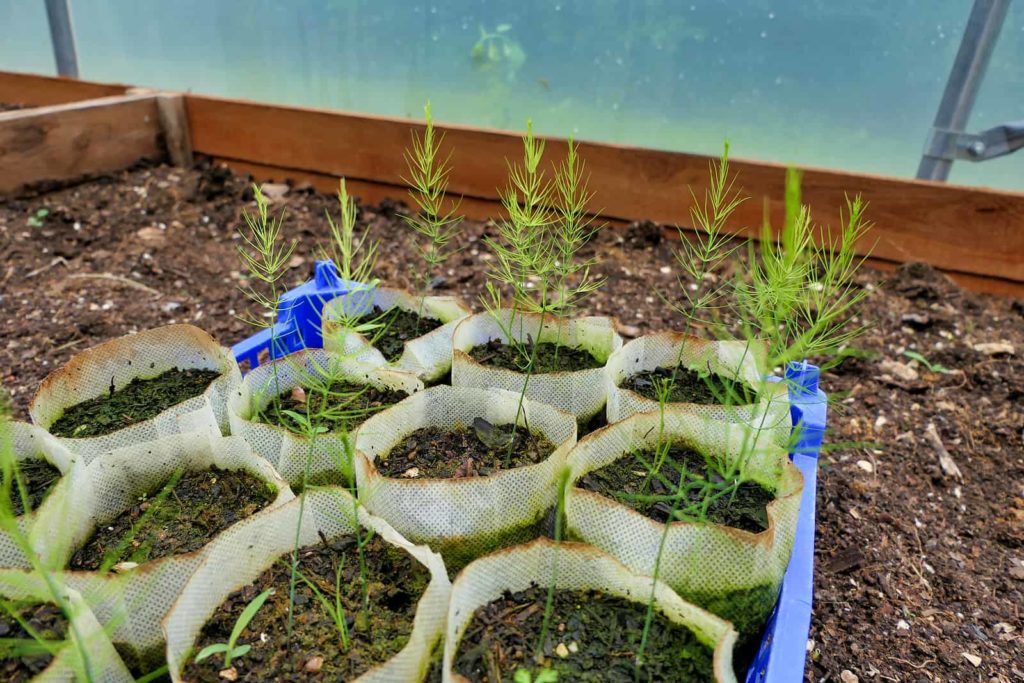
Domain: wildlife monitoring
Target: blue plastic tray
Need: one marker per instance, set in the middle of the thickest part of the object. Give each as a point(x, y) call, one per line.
point(783, 651)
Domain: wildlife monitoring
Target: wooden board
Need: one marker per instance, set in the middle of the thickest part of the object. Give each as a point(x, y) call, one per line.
point(963, 229)
point(478, 209)
point(77, 140)
point(38, 91)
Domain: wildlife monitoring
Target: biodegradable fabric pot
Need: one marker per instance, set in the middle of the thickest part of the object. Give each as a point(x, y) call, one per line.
point(466, 517)
point(28, 442)
point(580, 567)
point(289, 451)
point(257, 544)
point(428, 356)
point(145, 355)
point(734, 573)
point(84, 633)
point(580, 392)
point(132, 603)
point(736, 360)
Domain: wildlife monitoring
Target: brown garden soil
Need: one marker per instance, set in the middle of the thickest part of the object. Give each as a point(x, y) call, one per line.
point(632, 480)
point(600, 635)
point(915, 570)
point(394, 583)
point(397, 327)
point(47, 621)
point(39, 477)
point(338, 406)
point(477, 451)
point(688, 386)
point(549, 357)
point(180, 516)
point(139, 400)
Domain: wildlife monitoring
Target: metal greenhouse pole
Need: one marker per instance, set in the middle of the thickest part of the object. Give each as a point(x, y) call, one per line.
point(947, 140)
point(58, 12)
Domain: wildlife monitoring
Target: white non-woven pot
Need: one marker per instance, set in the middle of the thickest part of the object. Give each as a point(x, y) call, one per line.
point(740, 361)
point(731, 572)
point(428, 356)
point(581, 392)
point(326, 514)
point(144, 355)
point(466, 517)
point(132, 603)
point(579, 567)
point(323, 458)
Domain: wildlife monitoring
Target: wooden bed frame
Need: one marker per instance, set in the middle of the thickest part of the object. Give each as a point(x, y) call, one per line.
point(79, 129)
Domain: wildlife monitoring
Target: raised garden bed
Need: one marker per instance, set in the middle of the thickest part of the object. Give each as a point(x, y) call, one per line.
point(912, 294)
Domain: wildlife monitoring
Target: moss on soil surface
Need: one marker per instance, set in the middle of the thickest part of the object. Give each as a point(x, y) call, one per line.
point(690, 386)
point(39, 477)
point(140, 400)
point(48, 622)
point(340, 406)
point(627, 481)
point(397, 327)
point(172, 520)
point(464, 452)
point(395, 584)
point(550, 357)
point(748, 609)
point(601, 634)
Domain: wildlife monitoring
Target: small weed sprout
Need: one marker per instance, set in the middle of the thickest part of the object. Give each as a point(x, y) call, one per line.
point(428, 186)
point(334, 609)
point(231, 649)
point(542, 676)
point(38, 218)
point(937, 368)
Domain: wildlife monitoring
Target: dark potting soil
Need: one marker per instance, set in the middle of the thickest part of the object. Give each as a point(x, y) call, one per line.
point(600, 634)
point(865, 572)
point(624, 481)
point(39, 478)
point(397, 327)
point(691, 387)
point(550, 357)
point(140, 400)
point(342, 406)
point(394, 584)
point(179, 516)
point(476, 451)
point(47, 621)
